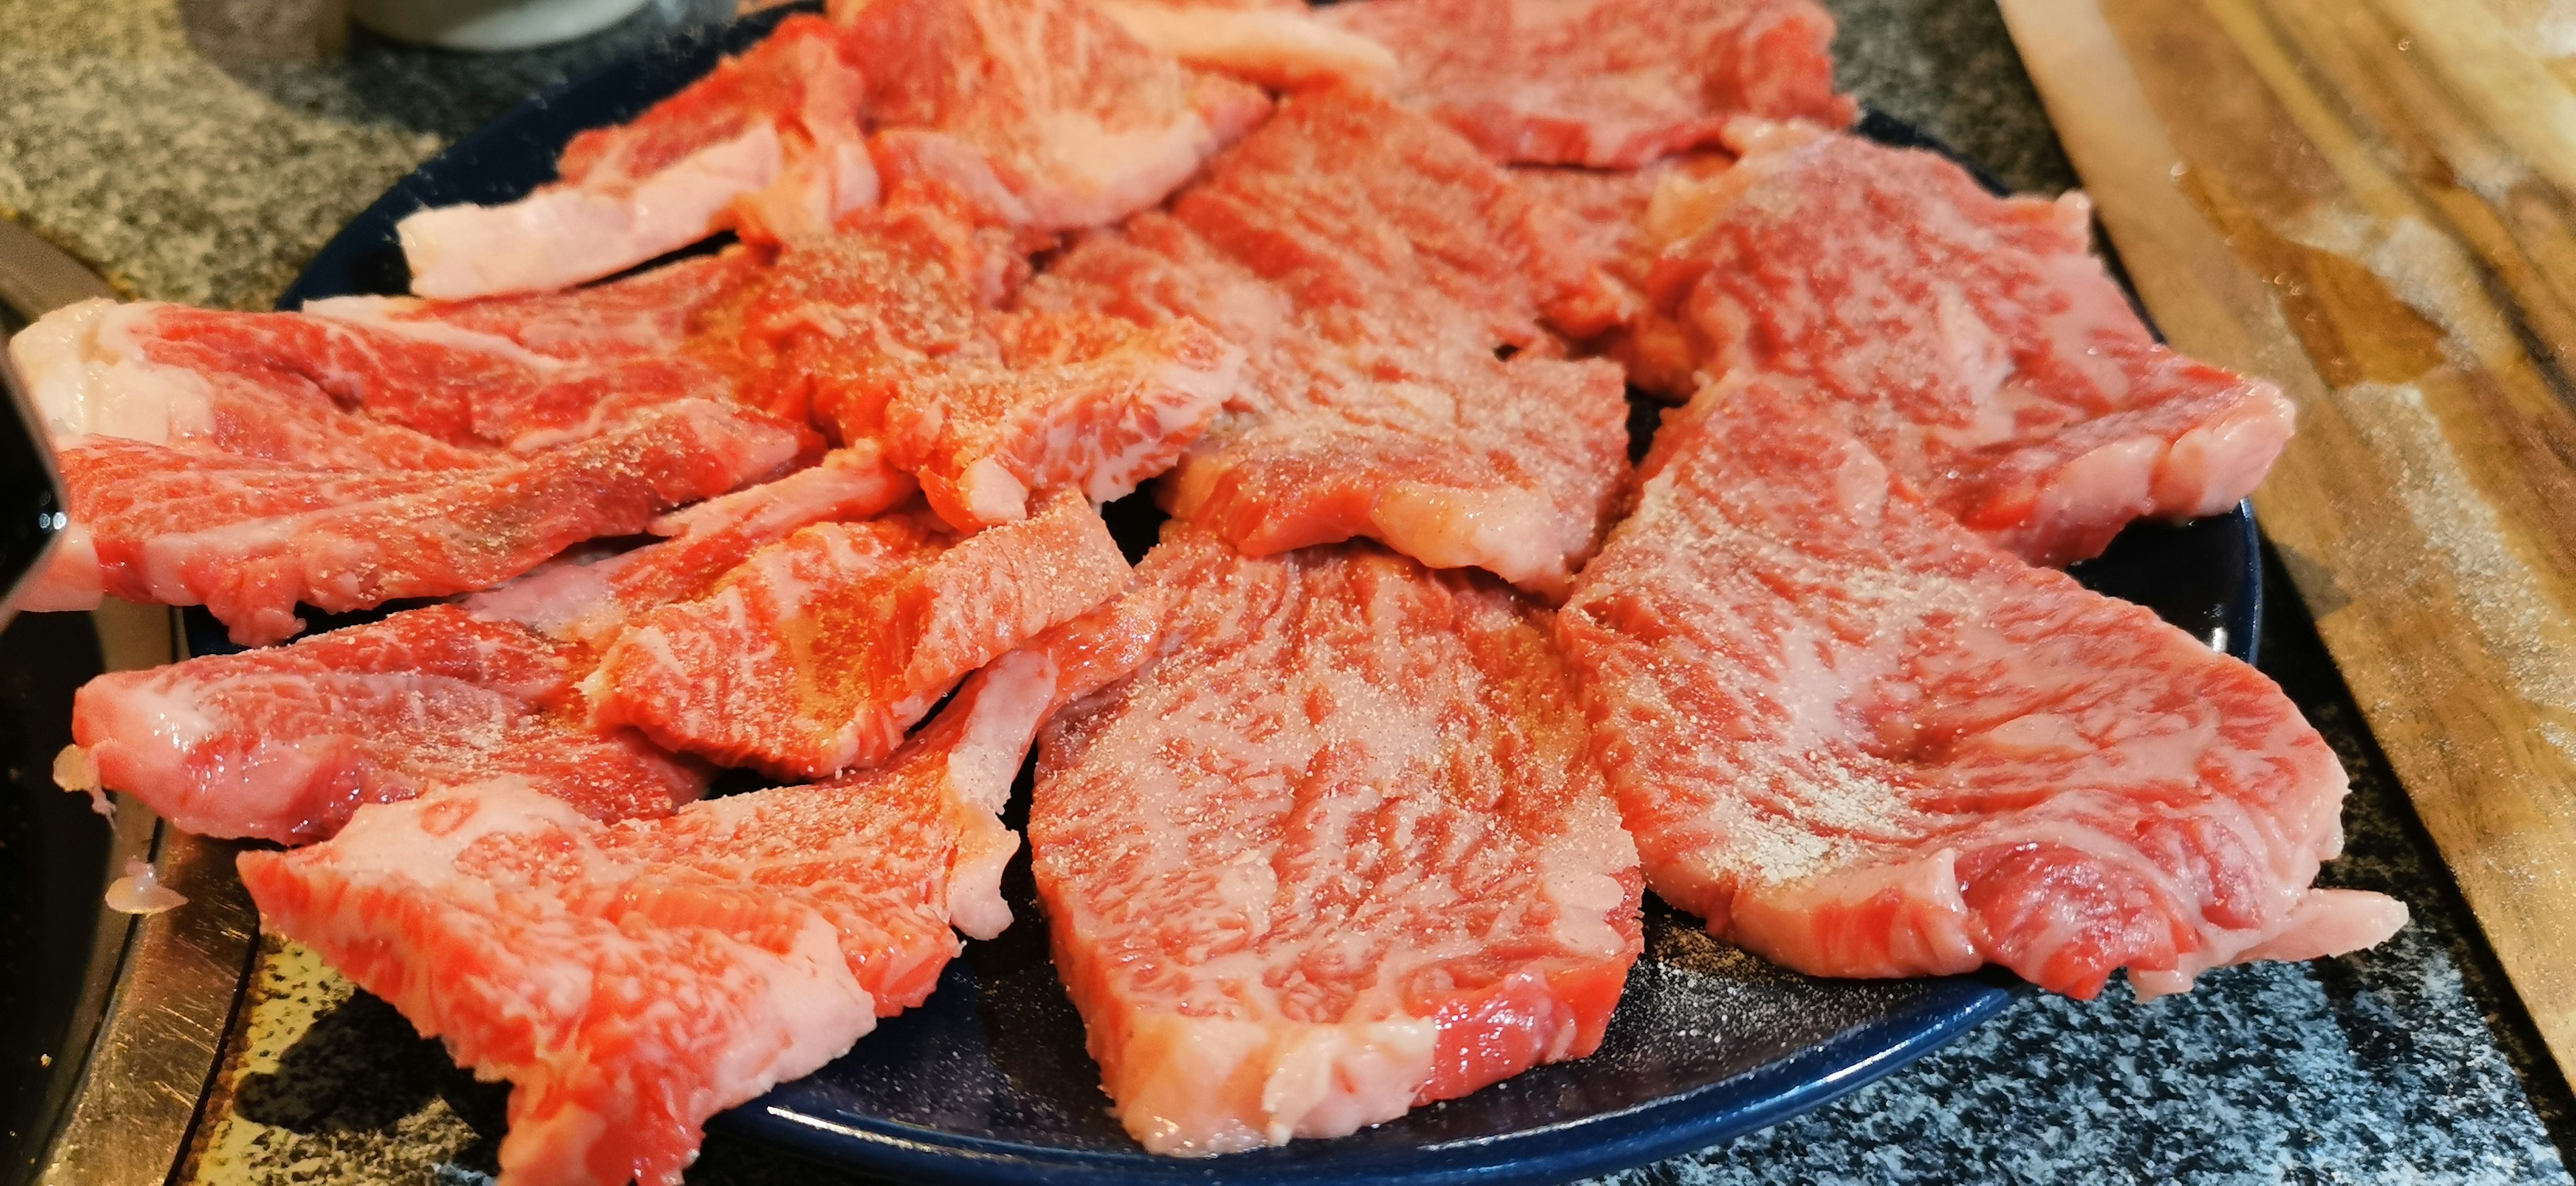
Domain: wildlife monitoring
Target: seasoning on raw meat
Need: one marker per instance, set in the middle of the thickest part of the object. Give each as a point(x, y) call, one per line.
point(250, 538)
point(1273, 43)
point(634, 979)
point(283, 744)
point(768, 142)
point(1044, 110)
point(889, 332)
point(170, 373)
point(1606, 83)
point(1614, 210)
point(1970, 339)
point(1860, 741)
point(653, 313)
point(819, 652)
point(1372, 266)
point(1336, 850)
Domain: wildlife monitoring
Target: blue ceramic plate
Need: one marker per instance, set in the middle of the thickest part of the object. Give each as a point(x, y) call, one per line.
point(988, 1081)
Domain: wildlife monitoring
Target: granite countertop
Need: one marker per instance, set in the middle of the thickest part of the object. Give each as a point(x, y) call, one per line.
point(189, 162)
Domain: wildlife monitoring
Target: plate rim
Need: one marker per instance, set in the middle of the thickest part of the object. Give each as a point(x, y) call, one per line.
point(1637, 1135)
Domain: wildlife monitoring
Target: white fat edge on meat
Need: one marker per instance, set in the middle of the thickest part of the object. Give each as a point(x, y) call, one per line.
point(853, 481)
point(403, 316)
point(1269, 46)
point(811, 194)
point(1095, 175)
point(1314, 1080)
point(87, 376)
point(1172, 397)
point(72, 578)
point(566, 234)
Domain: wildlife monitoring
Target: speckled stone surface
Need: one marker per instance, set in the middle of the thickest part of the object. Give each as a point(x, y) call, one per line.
point(186, 176)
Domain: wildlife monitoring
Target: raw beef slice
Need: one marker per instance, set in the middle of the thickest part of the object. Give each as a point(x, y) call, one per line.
point(1372, 265)
point(1617, 211)
point(768, 142)
point(634, 979)
point(890, 333)
point(819, 652)
point(1045, 110)
point(250, 538)
point(1971, 340)
point(173, 375)
point(1274, 43)
point(283, 744)
point(1860, 741)
point(1336, 850)
point(1606, 83)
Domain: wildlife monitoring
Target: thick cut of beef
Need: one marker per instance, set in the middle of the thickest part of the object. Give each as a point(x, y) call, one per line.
point(250, 538)
point(1372, 265)
point(1274, 43)
point(1860, 741)
point(634, 979)
point(1970, 339)
point(1606, 83)
point(1044, 110)
point(768, 142)
point(283, 744)
point(819, 652)
point(1336, 850)
point(889, 333)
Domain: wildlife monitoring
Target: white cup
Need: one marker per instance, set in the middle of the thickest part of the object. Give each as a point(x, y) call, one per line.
point(486, 25)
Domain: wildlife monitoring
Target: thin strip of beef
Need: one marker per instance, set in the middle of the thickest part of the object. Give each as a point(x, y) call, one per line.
point(250, 539)
point(1281, 44)
point(1861, 741)
point(889, 333)
point(1044, 111)
point(1615, 208)
point(466, 388)
point(1371, 265)
point(1336, 850)
point(1971, 340)
point(282, 744)
point(769, 142)
point(657, 313)
point(819, 652)
point(1611, 84)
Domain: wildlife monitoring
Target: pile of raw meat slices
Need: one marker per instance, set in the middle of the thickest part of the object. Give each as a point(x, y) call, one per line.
point(1347, 793)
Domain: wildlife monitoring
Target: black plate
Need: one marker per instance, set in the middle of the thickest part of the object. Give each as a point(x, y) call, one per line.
point(988, 1080)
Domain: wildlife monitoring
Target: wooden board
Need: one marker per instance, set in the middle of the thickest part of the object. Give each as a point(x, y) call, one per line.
point(2370, 202)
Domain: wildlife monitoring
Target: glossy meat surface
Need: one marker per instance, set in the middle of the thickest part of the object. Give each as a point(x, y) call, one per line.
point(1860, 741)
point(1971, 340)
point(282, 744)
point(1606, 83)
point(1372, 266)
point(634, 979)
point(768, 143)
point(1046, 110)
point(820, 651)
point(1336, 849)
point(250, 538)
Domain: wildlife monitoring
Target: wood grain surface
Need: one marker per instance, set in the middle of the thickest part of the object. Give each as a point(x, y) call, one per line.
point(2373, 202)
